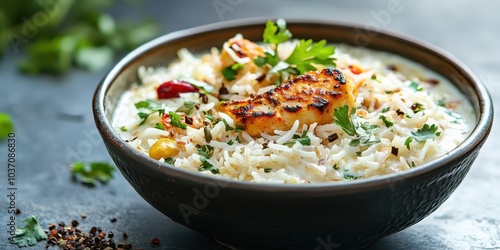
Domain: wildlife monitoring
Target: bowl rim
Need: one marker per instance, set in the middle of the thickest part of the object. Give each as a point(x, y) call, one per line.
point(478, 134)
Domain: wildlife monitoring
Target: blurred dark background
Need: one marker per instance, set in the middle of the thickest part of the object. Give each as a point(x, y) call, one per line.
point(54, 124)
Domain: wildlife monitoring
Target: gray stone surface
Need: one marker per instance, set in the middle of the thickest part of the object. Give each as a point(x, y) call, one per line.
point(54, 126)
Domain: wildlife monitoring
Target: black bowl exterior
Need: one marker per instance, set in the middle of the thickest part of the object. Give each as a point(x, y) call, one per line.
point(322, 216)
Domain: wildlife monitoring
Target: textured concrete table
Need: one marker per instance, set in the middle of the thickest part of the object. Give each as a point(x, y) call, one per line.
point(54, 125)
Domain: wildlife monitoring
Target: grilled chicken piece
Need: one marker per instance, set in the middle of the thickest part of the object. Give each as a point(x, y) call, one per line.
point(309, 98)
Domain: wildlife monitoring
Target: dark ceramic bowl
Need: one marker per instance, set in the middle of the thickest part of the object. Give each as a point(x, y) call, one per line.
point(318, 216)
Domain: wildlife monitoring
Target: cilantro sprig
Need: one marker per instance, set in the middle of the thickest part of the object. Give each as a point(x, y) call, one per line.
point(423, 134)
point(303, 58)
point(175, 120)
point(230, 72)
point(147, 108)
point(6, 125)
point(206, 152)
point(364, 133)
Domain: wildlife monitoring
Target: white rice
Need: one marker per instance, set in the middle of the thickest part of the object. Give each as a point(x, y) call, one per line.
point(267, 159)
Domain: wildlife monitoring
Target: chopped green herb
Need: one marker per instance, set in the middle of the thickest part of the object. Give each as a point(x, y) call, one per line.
point(417, 107)
point(302, 139)
point(187, 108)
point(276, 33)
point(344, 120)
point(170, 160)
point(147, 108)
point(267, 170)
point(230, 72)
point(209, 116)
point(350, 177)
point(457, 116)
point(231, 142)
point(386, 122)
point(426, 132)
point(6, 125)
point(228, 127)
point(239, 128)
point(375, 79)
point(207, 166)
point(413, 164)
point(99, 171)
point(159, 126)
point(335, 167)
point(238, 139)
point(30, 234)
point(441, 103)
point(386, 109)
point(408, 141)
point(123, 129)
point(358, 154)
point(415, 86)
point(175, 120)
point(389, 92)
point(205, 151)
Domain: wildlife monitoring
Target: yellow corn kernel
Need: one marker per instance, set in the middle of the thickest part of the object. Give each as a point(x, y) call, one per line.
point(163, 148)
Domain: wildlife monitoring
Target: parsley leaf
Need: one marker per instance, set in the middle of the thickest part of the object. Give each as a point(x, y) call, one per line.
point(302, 58)
point(29, 234)
point(306, 54)
point(350, 177)
point(426, 132)
point(170, 160)
point(6, 125)
point(342, 119)
point(230, 72)
point(386, 122)
point(186, 108)
point(415, 86)
point(205, 151)
point(147, 108)
point(99, 171)
point(175, 120)
point(205, 165)
point(159, 126)
point(302, 139)
point(422, 134)
point(348, 122)
point(276, 33)
point(228, 127)
point(267, 170)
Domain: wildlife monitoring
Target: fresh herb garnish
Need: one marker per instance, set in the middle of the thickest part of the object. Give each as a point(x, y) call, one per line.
point(267, 170)
point(350, 177)
point(230, 72)
point(302, 139)
point(205, 165)
point(98, 171)
point(170, 160)
point(454, 115)
point(29, 234)
point(123, 129)
point(175, 120)
point(386, 109)
point(415, 86)
point(6, 125)
point(335, 167)
point(302, 58)
point(159, 126)
point(417, 107)
point(228, 127)
point(358, 154)
point(389, 92)
point(205, 151)
point(441, 103)
point(230, 142)
point(386, 122)
point(238, 139)
point(186, 108)
point(348, 122)
point(413, 164)
point(422, 134)
point(147, 108)
point(238, 128)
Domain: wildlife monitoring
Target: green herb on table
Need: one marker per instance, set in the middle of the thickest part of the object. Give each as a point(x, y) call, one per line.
point(96, 171)
point(147, 108)
point(30, 234)
point(74, 33)
point(6, 126)
point(303, 57)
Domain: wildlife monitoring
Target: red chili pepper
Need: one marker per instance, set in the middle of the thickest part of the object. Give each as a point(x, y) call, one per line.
point(355, 69)
point(172, 89)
